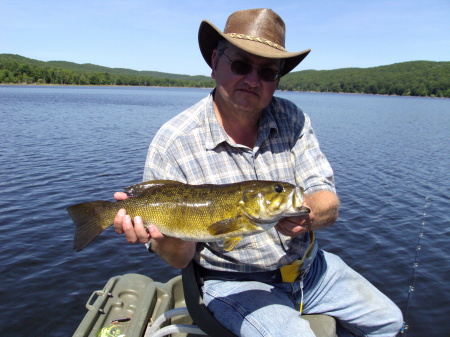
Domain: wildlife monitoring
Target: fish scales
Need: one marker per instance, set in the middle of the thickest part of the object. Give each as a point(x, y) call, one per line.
point(173, 209)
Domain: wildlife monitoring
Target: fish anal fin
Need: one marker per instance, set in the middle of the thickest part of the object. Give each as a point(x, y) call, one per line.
point(230, 243)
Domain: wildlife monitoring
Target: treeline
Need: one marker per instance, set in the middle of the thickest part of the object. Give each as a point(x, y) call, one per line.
point(15, 69)
point(416, 78)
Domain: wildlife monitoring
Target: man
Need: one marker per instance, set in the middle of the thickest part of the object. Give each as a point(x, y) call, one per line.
point(241, 132)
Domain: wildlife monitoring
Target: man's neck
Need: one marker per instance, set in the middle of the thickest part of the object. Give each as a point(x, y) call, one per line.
point(240, 126)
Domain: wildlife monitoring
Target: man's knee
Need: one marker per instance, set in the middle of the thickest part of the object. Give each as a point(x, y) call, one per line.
point(394, 320)
point(389, 321)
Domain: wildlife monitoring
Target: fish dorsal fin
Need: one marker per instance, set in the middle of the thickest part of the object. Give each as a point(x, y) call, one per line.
point(135, 190)
point(230, 243)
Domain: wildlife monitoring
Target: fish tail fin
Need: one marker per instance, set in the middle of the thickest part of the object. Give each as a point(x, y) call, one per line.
point(91, 219)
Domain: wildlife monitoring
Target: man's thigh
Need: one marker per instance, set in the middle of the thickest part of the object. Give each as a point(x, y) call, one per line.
point(254, 309)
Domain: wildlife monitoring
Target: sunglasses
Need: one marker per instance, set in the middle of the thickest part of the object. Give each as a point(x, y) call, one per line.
point(240, 67)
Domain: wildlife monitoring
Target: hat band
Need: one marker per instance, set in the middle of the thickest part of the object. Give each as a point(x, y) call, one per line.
point(256, 39)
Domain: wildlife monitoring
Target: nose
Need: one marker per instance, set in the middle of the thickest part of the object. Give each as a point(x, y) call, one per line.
point(252, 78)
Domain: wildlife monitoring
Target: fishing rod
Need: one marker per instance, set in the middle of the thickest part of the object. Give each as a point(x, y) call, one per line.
point(414, 268)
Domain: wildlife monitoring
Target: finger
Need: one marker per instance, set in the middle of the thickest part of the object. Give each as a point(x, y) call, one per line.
point(140, 230)
point(298, 223)
point(120, 196)
point(118, 220)
point(285, 227)
point(155, 233)
point(298, 220)
point(128, 229)
point(292, 226)
point(281, 229)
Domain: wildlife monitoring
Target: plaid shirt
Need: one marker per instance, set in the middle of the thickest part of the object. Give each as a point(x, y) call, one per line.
point(193, 148)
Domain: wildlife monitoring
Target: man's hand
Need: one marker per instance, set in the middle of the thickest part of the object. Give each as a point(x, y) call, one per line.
point(295, 226)
point(134, 231)
point(324, 206)
point(176, 252)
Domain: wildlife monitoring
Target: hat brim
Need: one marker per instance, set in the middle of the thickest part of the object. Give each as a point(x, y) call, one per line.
point(209, 35)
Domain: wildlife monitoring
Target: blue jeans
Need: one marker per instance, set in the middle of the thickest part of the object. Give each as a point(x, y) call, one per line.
point(331, 287)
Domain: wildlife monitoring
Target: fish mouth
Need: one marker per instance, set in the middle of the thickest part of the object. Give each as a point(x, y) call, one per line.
point(297, 207)
point(304, 210)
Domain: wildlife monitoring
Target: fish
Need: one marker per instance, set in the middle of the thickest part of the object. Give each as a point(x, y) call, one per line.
point(200, 213)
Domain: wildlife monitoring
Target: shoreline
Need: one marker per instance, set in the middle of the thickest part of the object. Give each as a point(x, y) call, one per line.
point(175, 87)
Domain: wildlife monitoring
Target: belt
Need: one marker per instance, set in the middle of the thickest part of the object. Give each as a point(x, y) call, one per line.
point(271, 276)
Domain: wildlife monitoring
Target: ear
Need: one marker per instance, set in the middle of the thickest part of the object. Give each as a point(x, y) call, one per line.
point(214, 61)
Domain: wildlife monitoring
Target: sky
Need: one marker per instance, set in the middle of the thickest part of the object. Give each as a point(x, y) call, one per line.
point(162, 35)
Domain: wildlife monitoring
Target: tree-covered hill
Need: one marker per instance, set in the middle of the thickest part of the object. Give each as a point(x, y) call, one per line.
point(19, 69)
point(415, 78)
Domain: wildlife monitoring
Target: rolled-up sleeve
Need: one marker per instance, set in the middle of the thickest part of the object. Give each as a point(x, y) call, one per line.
point(312, 169)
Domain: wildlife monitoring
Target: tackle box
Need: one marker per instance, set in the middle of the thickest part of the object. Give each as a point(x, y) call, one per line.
point(127, 304)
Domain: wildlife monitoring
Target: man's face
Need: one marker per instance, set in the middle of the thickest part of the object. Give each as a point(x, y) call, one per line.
point(247, 93)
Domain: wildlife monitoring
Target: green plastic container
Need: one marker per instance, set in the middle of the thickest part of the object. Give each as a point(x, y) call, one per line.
point(130, 303)
point(125, 307)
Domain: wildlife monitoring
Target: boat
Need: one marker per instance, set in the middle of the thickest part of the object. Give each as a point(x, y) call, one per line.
point(134, 305)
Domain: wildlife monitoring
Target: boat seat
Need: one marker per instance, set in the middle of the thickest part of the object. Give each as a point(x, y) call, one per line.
point(322, 325)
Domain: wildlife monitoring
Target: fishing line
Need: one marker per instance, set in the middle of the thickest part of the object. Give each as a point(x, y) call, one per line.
point(414, 268)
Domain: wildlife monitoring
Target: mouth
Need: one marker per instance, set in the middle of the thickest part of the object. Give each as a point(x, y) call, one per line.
point(248, 91)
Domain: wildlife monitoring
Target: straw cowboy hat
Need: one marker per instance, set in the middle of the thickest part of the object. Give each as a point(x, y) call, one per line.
point(260, 32)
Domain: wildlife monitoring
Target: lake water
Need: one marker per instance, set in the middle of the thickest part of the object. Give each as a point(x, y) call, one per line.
point(63, 145)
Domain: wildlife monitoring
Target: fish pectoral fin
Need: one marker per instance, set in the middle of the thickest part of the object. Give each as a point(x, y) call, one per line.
point(230, 243)
point(226, 226)
point(233, 226)
point(135, 190)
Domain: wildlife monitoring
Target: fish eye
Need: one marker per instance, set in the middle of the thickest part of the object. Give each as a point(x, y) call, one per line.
point(278, 188)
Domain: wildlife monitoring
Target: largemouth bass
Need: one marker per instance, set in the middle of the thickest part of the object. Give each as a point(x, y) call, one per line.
point(201, 213)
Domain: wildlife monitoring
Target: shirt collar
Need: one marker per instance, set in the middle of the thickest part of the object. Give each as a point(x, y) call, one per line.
point(215, 134)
